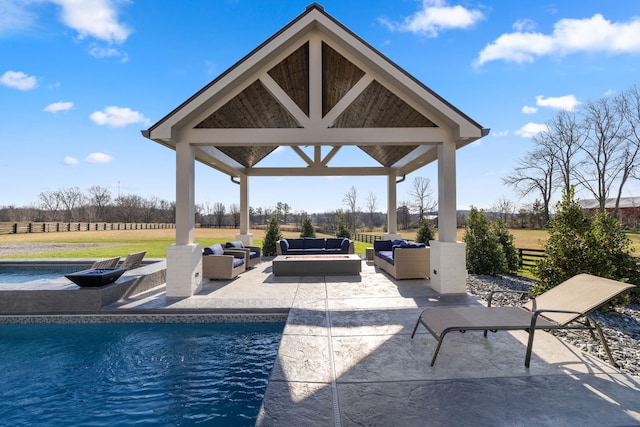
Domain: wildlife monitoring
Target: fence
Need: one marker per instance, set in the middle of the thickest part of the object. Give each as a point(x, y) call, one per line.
point(529, 257)
point(367, 238)
point(57, 227)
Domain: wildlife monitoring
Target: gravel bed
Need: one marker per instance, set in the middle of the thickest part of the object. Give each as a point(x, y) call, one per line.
point(621, 325)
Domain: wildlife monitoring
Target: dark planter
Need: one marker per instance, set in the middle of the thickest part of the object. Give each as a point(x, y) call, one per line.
point(95, 277)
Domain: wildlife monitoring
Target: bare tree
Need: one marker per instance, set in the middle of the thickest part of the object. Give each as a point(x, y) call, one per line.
point(403, 215)
point(603, 148)
point(629, 107)
point(72, 199)
point(129, 207)
point(234, 211)
point(50, 203)
point(351, 200)
point(99, 198)
point(504, 207)
point(218, 213)
point(372, 205)
point(535, 172)
point(422, 196)
point(562, 140)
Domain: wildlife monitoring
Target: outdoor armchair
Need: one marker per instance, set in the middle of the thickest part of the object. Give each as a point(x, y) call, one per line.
point(219, 263)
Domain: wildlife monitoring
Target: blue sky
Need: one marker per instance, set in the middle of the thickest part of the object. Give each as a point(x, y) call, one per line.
point(80, 79)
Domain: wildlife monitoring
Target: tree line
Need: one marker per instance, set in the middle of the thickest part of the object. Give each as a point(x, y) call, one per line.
point(595, 148)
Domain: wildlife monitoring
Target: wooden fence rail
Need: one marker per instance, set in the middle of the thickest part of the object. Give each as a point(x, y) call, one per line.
point(57, 227)
point(529, 257)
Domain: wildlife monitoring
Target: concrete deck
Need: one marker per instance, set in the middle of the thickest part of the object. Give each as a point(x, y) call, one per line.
point(346, 359)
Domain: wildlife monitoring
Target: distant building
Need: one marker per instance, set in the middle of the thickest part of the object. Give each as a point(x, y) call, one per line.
point(628, 209)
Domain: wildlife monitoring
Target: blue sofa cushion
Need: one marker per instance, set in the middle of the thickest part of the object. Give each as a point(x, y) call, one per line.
point(345, 245)
point(253, 254)
point(334, 243)
point(382, 245)
point(237, 244)
point(295, 243)
point(214, 250)
point(386, 255)
point(409, 245)
point(314, 243)
point(284, 245)
point(238, 262)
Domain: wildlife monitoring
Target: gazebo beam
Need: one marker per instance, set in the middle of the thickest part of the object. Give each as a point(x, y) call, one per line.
point(317, 136)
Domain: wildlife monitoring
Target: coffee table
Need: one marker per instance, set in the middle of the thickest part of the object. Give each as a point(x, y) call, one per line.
point(317, 265)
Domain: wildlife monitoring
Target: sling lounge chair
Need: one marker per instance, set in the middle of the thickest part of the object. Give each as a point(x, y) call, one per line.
point(106, 263)
point(133, 260)
point(566, 306)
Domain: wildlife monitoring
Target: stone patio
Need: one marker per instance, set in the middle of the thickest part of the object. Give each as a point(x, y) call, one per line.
point(346, 358)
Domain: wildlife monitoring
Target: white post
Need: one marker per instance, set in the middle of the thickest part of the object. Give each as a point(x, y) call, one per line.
point(245, 237)
point(448, 257)
point(392, 214)
point(184, 259)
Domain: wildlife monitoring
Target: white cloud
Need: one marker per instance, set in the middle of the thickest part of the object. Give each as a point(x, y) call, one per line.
point(118, 117)
point(98, 158)
point(58, 106)
point(499, 134)
point(567, 102)
point(68, 160)
point(524, 25)
point(595, 34)
point(94, 18)
point(529, 110)
point(107, 52)
point(14, 16)
point(436, 16)
point(18, 80)
point(531, 129)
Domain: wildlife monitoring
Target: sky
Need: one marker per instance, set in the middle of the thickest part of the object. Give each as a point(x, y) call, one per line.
point(79, 80)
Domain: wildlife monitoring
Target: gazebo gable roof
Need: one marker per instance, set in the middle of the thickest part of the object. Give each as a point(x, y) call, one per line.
point(315, 83)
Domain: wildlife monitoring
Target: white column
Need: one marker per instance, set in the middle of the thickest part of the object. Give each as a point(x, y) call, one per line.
point(185, 193)
point(447, 215)
point(392, 209)
point(448, 256)
point(244, 236)
point(184, 259)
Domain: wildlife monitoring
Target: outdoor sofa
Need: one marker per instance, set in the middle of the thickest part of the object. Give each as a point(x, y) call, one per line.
point(220, 263)
point(402, 259)
point(315, 246)
point(254, 252)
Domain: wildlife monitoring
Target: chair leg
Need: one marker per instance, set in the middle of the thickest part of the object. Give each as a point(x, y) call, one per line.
point(415, 328)
point(603, 340)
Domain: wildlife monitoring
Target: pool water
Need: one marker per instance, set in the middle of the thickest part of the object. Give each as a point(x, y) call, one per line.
point(33, 273)
point(146, 374)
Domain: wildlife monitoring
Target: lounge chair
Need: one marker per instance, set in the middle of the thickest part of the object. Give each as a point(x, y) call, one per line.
point(106, 263)
point(133, 260)
point(566, 306)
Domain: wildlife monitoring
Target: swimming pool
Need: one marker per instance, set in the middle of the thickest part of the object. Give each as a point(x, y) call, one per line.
point(159, 374)
point(34, 272)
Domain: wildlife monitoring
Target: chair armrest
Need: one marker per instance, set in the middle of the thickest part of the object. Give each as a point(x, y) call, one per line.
point(238, 253)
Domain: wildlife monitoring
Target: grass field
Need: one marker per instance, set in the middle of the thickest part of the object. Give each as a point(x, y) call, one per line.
point(155, 242)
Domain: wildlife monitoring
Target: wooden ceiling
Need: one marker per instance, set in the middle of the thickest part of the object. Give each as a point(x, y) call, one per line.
point(256, 108)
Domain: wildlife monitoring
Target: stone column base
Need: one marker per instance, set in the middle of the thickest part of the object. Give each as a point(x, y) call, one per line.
point(448, 267)
point(392, 236)
point(246, 239)
point(184, 270)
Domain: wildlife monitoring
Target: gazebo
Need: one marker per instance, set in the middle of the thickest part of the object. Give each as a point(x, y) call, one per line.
point(315, 87)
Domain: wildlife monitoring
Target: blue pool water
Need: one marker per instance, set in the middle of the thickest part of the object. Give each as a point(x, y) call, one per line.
point(158, 374)
point(12, 274)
